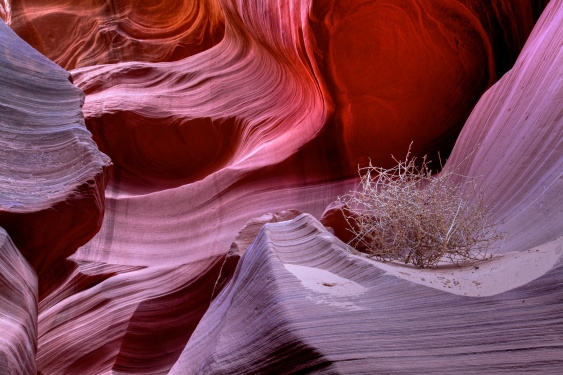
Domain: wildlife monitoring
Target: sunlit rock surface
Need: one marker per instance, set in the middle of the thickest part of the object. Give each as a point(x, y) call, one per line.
point(298, 301)
point(250, 102)
point(5, 13)
point(218, 112)
point(52, 175)
point(513, 141)
point(18, 310)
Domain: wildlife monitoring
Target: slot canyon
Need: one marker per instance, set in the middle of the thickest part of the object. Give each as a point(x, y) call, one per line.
point(169, 172)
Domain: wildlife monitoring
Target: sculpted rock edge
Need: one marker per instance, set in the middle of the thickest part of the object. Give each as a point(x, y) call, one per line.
point(52, 175)
point(216, 112)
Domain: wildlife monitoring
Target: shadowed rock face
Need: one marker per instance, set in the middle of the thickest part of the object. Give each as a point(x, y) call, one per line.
point(217, 112)
point(512, 144)
point(131, 319)
point(52, 176)
point(376, 75)
point(83, 33)
point(411, 71)
point(250, 102)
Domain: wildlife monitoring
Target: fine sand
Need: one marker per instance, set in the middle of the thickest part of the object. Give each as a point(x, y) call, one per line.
point(478, 279)
point(485, 278)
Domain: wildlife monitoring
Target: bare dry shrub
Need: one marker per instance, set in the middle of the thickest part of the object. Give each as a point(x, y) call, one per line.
point(406, 214)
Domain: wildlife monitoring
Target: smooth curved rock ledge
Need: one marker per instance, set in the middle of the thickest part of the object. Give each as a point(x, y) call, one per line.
point(271, 115)
point(495, 275)
point(298, 301)
point(52, 175)
point(513, 141)
point(245, 237)
point(18, 311)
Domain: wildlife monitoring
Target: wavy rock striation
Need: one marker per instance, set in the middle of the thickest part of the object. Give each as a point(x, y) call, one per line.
point(514, 139)
point(5, 12)
point(168, 278)
point(215, 112)
point(169, 124)
point(132, 320)
point(86, 33)
point(512, 143)
point(52, 176)
point(324, 310)
point(18, 311)
point(298, 301)
point(277, 111)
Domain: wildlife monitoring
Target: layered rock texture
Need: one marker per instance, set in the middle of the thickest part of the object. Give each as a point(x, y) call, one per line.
point(18, 310)
point(321, 309)
point(513, 141)
point(84, 33)
point(52, 175)
point(225, 120)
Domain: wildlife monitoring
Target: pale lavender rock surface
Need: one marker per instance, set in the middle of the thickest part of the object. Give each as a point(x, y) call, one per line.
point(103, 316)
point(513, 140)
point(299, 301)
point(134, 294)
point(52, 175)
point(18, 311)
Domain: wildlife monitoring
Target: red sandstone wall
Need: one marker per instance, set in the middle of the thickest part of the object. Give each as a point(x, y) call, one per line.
point(214, 112)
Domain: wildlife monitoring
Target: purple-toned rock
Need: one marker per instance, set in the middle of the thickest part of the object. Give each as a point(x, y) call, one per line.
point(52, 175)
point(18, 311)
point(299, 301)
point(513, 140)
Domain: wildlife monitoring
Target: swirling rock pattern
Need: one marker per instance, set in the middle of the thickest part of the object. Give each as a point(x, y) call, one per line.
point(83, 33)
point(513, 141)
point(322, 310)
point(52, 176)
point(18, 310)
point(215, 112)
point(210, 120)
point(126, 319)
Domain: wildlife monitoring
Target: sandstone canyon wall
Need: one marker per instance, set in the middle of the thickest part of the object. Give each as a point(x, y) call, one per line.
point(84, 33)
point(512, 142)
point(324, 310)
point(404, 71)
point(52, 175)
point(18, 309)
point(214, 112)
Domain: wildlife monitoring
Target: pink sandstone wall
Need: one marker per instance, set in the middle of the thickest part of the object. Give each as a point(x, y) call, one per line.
point(215, 112)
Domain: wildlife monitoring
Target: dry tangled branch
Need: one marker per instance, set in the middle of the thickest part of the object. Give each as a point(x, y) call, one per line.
point(406, 214)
